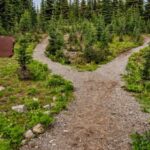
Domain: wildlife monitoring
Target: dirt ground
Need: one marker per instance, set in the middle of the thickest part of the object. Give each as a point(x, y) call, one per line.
point(102, 116)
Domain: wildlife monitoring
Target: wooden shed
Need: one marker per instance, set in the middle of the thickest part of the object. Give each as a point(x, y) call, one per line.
point(6, 46)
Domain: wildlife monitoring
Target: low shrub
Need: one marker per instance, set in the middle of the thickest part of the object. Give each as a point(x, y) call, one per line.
point(10, 131)
point(38, 70)
point(141, 142)
point(38, 116)
point(32, 104)
point(5, 144)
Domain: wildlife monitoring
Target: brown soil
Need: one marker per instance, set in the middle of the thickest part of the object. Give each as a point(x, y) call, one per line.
point(102, 116)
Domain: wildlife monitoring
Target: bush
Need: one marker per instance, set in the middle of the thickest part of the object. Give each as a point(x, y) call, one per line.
point(141, 142)
point(32, 104)
point(10, 130)
point(146, 71)
point(55, 80)
point(135, 81)
point(23, 59)
point(5, 144)
point(38, 116)
point(38, 70)
point(95, 54)
point(56, 42)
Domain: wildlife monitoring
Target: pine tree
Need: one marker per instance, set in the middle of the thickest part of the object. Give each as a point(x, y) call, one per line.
point(147, 10)
point(115, 6)
point(89, 8)
point(25, 22)
point(49, 9)
point(65, 9)
point(107, 10)
point(121, 6)
point(83, 8)
point(146, 71)
point(76, 8)
point(42, 18)
point(23, 59)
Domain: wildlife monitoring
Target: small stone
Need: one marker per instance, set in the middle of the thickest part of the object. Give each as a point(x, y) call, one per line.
point(53, 144)
point(19, 108)
point(54, 98)
point(47, 112)
point(23, 142)
point(53, 104)
point(47, 107)
point(2, 88)
point(51, 141)
point(38, 129)
point(29, 134)
point(66, 131)
point(35, 99)
point(36, 147)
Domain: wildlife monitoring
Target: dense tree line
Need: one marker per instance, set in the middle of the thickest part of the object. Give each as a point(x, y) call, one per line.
point(87, 8)
point(22, 14)
point(17, 15)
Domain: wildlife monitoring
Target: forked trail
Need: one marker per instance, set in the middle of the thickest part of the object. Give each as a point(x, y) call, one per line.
point(102, 116)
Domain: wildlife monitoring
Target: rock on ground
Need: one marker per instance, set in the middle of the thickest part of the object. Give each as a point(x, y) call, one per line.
point(29, 134)
point(38, 129)
point(19, 108)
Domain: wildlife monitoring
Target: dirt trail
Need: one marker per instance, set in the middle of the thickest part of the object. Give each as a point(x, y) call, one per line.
point(102, 116)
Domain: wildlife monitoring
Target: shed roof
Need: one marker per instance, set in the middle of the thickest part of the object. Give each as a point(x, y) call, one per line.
point(6, 46)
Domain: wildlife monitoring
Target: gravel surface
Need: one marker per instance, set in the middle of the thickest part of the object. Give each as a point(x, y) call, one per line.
point(102, 116)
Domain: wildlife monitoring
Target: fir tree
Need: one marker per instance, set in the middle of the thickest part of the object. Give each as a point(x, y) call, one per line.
point(107, 10)
point(83, 8)
point(49, 9)
point(147, 10)
point(65, 9)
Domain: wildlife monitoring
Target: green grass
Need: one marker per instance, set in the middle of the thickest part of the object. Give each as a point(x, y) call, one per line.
point(141, 142)
point(136, 84)
point(86, 67)
point(34, 94)
point(134, 79)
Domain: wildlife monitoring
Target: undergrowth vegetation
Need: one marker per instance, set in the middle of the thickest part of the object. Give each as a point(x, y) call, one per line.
point(138, 81)
point(86, 44)
point(42, 89)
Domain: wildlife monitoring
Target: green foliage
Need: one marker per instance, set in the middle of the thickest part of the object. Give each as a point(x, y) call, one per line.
point(38, 116)
point(141, 142)
point(25, 22)
point(55, 43)
point(10, 131)
point(57, 81)
point(23, 57)
point(135, 81)
point(38, 71)
point(95, 54)
point(146, 71)
point(5, 144)
point(32, 104)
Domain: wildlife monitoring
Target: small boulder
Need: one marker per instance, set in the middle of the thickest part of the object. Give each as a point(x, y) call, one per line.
point(38, 129)
point(24, 142)
point(29, 134)
point(53, 104)
point(54, 98)
point(19, 108)
point(47, 113)
point(2, 88)
point(47, 107)
point(35, 99)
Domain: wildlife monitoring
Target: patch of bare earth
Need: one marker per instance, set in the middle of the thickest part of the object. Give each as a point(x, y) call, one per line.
point(102, 116)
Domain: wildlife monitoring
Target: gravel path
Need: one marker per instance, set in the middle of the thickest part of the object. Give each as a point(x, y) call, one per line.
point(103, 115)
